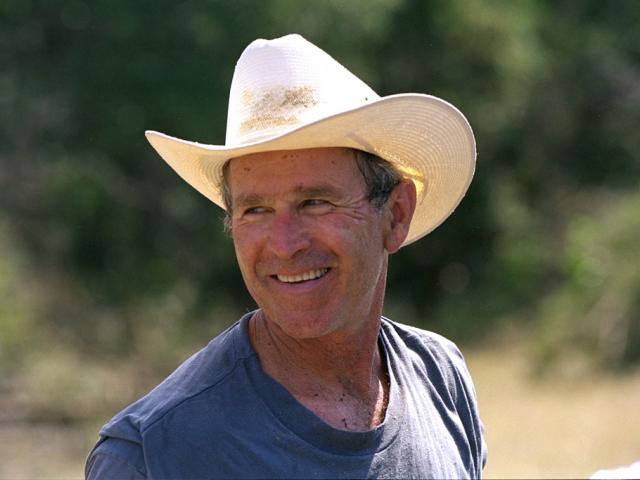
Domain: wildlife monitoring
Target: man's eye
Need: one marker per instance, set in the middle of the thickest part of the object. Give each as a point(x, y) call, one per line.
point(314, 202)
point(254, 210)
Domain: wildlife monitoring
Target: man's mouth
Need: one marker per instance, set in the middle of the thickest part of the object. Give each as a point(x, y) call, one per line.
point(303, 277)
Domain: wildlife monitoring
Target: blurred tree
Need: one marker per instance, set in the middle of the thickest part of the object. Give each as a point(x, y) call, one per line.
point(594, 312)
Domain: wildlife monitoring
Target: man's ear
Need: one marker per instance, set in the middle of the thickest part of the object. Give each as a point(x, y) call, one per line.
point(399, 212)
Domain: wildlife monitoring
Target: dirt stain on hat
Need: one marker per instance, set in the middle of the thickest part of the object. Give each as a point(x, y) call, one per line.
point(276, 106)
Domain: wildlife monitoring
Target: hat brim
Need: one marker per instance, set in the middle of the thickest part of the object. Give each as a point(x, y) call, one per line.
point(429, 140)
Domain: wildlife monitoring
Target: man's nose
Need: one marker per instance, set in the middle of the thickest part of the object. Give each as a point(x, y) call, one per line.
point(288, 235)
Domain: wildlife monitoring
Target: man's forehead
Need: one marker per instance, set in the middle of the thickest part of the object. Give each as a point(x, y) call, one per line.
point(317, 162)
point(324, 191)
point(314, 172)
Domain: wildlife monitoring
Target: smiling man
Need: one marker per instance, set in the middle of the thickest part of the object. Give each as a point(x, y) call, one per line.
point(321, 180)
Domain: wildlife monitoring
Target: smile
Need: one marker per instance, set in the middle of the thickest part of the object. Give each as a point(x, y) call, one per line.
point(311, 275)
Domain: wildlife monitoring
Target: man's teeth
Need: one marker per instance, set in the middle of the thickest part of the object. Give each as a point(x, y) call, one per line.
point(311, 275)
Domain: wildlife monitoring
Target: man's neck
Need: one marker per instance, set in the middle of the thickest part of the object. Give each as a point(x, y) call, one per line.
point(341, 377)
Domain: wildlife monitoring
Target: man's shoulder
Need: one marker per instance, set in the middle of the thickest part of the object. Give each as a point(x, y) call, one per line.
point(415, 337)
point(434, 356)
point(202, 372)
point(433, 363)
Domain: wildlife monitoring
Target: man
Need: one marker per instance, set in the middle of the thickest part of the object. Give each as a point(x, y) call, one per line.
point(321, 179)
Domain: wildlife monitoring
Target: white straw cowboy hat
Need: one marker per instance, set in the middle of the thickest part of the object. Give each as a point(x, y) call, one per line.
point(288, 94)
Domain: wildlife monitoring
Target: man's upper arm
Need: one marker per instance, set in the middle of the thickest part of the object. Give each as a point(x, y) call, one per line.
point(113, 458)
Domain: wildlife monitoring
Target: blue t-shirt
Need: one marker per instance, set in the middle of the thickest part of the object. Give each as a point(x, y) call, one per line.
point(220, 416)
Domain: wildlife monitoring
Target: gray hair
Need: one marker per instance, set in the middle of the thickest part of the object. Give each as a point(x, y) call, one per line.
point(380, 178)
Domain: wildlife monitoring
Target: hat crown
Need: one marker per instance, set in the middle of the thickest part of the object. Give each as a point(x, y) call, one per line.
point(281, 84)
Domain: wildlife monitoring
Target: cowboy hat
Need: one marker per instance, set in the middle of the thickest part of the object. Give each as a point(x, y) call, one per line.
point(288, 94)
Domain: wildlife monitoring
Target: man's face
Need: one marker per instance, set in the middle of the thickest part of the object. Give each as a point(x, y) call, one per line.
point(309, 244)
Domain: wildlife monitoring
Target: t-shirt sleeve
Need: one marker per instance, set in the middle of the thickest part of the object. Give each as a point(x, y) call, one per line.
point(467, 406)
point(114, 458)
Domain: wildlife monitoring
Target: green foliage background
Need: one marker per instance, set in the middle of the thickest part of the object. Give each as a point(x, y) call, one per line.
point(110, 263)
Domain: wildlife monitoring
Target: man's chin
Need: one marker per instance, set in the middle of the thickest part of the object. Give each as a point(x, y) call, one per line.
point(302, 324)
